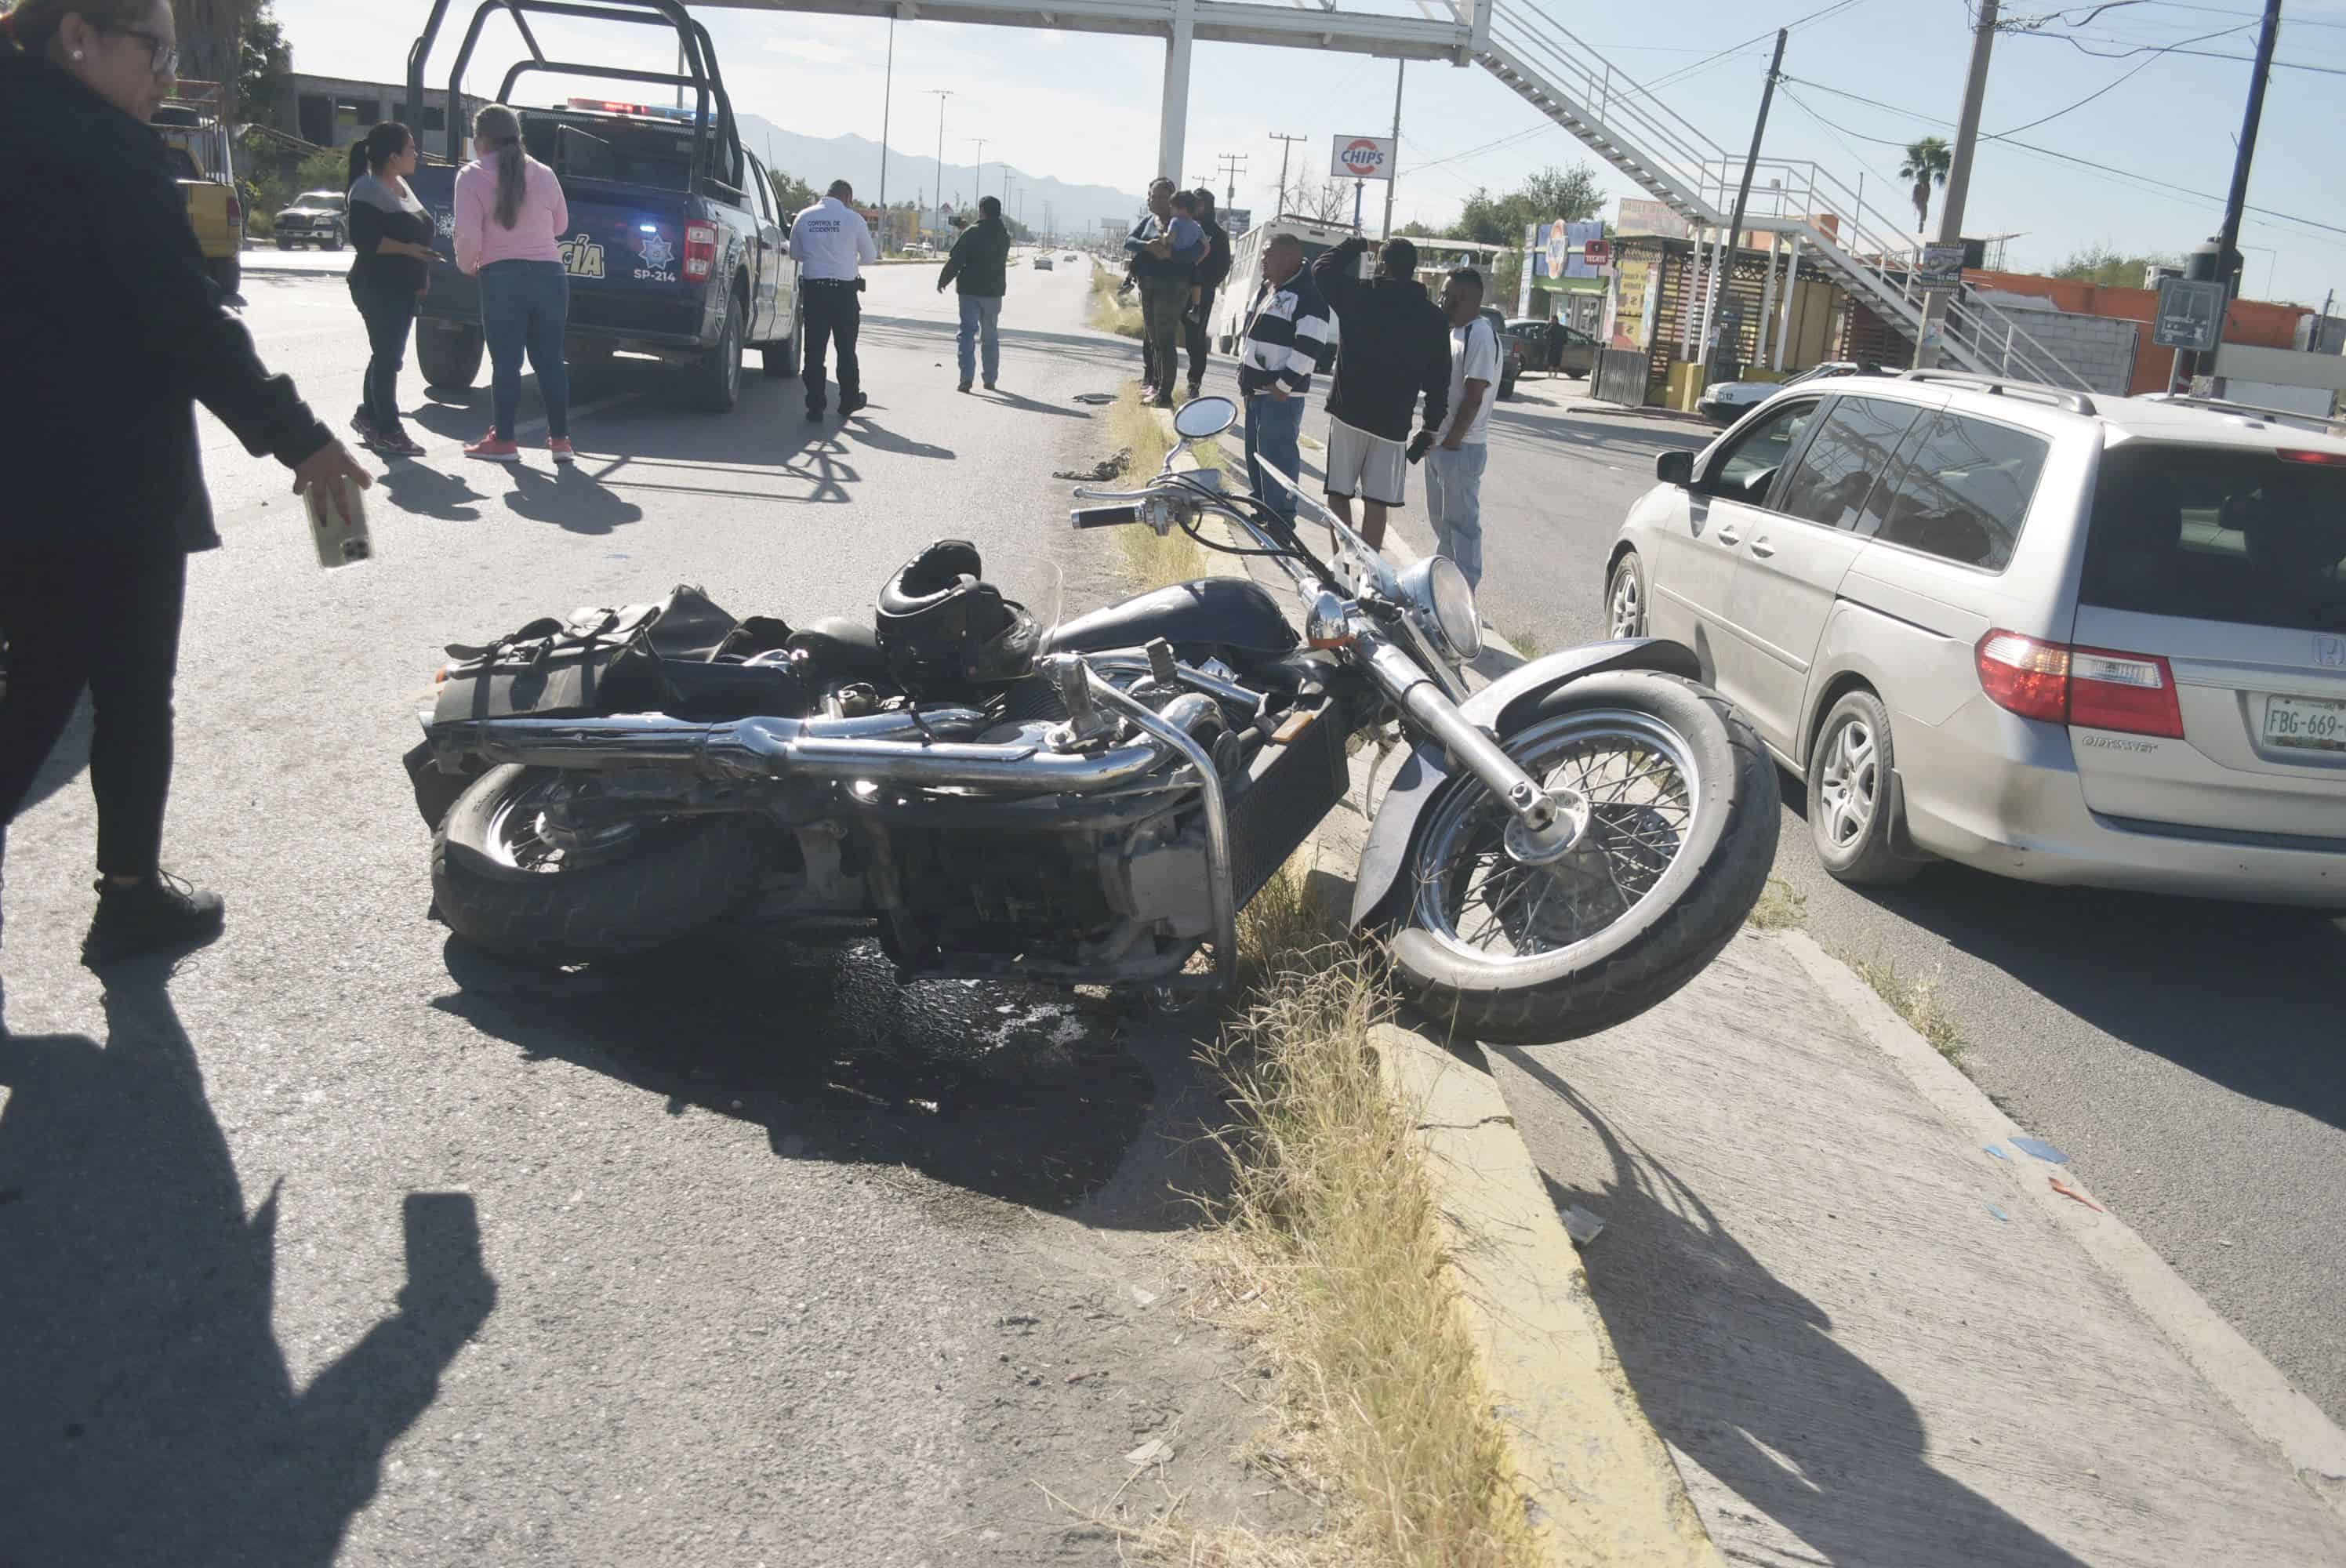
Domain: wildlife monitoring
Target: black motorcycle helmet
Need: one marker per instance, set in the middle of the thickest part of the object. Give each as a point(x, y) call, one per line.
point(941, 622)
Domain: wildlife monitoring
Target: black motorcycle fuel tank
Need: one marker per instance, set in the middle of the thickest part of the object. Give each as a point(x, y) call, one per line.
point(1217, 612)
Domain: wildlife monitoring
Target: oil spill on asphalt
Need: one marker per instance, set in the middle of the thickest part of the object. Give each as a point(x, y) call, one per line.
point(1018, 1093)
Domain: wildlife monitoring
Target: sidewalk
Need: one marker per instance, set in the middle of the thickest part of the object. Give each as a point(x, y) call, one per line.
point(1863, 1337)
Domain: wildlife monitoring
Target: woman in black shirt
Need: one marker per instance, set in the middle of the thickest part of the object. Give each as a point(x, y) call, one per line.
point(392, 233)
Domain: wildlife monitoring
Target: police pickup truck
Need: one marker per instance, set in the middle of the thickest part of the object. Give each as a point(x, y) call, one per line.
point(675, 249)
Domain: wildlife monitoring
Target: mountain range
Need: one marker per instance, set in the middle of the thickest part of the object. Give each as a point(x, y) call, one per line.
point(1075, 209)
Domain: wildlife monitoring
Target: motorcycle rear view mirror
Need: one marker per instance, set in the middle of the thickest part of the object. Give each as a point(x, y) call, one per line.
point(1202, 417)
point(1675, 467)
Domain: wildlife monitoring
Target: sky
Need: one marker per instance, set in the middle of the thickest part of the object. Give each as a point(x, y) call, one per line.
point(1085, 107)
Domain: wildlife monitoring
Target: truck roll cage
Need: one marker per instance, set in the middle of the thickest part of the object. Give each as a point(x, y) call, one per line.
point(693, 44)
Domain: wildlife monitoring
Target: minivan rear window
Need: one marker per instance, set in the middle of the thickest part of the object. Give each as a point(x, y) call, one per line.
point(2219, 533)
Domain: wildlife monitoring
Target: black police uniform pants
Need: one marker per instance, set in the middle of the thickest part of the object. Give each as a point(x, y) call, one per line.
point(833, 312)
point(81, 618)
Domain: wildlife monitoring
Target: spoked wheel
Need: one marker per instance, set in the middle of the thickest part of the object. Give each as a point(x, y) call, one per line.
point(517, 870)
point(1673, 801)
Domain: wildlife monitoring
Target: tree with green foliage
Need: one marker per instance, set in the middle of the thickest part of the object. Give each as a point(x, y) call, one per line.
point(1572, 194)
point(791, 194)
point(2112, 269)
point(264, 59)
point(1413, 229)
point(1927, 162)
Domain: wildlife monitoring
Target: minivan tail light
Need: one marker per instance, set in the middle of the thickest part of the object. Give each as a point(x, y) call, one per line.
point(2093, 689)
point(700, 251)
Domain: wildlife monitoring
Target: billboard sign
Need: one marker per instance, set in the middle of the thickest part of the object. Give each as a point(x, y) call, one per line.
point(1562, 250)
point(1237, 220)
point(1363, 157)
point(1639, 216)
point(2190, 314)
point(1940, 267)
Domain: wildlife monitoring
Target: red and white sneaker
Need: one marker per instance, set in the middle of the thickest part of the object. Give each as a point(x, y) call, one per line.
point(496, 450)
point(560, 446)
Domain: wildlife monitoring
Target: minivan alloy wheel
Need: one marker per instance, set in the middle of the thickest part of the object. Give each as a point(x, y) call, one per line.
point(1850, 785)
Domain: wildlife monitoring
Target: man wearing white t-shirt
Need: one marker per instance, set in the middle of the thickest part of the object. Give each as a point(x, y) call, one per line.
point(1454, 469)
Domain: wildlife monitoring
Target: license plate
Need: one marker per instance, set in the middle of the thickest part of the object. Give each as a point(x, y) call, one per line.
point(2305, 722)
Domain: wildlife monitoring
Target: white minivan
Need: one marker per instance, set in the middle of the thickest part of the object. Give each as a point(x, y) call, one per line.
point(2063, 637)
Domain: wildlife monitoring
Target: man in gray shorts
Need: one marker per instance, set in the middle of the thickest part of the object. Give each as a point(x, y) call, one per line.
point(1393, 346)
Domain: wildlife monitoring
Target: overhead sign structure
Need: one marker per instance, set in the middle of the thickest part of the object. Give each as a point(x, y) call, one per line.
point(1363, 157)
point(2190, 314)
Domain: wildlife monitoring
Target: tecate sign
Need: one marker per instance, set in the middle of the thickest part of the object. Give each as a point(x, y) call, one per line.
point(1363, 157)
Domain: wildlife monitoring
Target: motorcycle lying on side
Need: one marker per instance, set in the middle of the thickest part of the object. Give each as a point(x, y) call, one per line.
point(1093, 803)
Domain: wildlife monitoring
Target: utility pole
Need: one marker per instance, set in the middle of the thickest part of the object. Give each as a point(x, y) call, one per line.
point(2227, 243)
point(1288, 147)
point(979, 183)
point(1391, 173)
point(1231, 165)
point(1959, 184)
point(1743, 190)
point(887, 102)
point(941, 95)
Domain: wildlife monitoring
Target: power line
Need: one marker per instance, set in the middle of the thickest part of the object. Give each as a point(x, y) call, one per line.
point(2089, 97)
point(2073, 40)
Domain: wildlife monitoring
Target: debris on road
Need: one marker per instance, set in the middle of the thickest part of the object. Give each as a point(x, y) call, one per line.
point(1145, 1297)
point(1582, 1226)
point(2065, 1190)
point(1999, 1154)
point(2042, 1150)
point(1108, 467)
point(1999, 1214)
point(1096, 398)
point(1156, 1451)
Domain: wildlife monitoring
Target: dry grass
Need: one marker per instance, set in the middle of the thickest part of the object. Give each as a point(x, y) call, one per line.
point(1524, 642)
point(1110, 313)
point(1334, 1258)
point(1917, 1002)
point(1781, 907)
point(1149, 562)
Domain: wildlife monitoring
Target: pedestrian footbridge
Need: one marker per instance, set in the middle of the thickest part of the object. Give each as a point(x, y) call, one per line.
point(1824, 217)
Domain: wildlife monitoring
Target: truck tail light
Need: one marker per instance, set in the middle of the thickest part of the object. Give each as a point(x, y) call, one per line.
point(2093, 689)
point(235, 214)
point(700, 251)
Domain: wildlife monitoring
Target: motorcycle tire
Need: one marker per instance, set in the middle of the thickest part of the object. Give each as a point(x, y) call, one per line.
point(1661, 937)
point(677, 875)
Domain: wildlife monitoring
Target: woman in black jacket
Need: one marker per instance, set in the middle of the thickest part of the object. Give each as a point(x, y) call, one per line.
point(390, 232)
point(110, 333)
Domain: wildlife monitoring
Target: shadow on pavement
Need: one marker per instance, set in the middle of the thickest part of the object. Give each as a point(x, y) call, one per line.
point(428, 492)
point(146, 1412)
point(1029, 405)
point(1741, 1373)
point(571, 498)
point(862, 431)
point(2088, 952)
point(1027, 1095)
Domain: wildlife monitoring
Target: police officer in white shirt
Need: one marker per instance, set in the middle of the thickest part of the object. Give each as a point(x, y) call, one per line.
point(830, 241)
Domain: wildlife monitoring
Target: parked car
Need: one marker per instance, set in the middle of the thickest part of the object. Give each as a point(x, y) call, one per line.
point(1042, 264)
point(1724, 403)
point(2064, 638)
point(1510, 351)
point(1554, 347)
point(198, 147)
point(1070, 256)
point(675, 250)
point(318, 217)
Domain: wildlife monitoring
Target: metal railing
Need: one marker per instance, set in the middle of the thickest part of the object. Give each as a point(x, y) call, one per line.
point(1628, 124)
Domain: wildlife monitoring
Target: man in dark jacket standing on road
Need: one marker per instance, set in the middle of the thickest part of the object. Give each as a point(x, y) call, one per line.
point(1394, 343)
point(1212, 269)
point(1165, 248)
point(979, 267)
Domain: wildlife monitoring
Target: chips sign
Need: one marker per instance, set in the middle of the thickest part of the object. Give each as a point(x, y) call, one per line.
point(1363, 157)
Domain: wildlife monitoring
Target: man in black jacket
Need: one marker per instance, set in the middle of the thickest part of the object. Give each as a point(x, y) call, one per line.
point(980, 267)
point(1393, 345)
point(1212, 270)
point(110, 335)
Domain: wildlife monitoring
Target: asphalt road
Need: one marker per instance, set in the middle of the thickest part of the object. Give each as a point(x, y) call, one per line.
point(331, 1243)
point(2190, 1056)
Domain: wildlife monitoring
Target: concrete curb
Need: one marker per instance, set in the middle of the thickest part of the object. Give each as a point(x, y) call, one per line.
point(2311, 1443)
point(1599, 1487)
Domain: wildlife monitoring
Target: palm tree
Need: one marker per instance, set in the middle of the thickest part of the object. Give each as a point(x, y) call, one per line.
point(1926, 162)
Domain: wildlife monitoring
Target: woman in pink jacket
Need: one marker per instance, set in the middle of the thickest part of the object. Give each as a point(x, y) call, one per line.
point(510, 215)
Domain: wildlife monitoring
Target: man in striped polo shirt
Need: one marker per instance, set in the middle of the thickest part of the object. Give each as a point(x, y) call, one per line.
point(1286, 329)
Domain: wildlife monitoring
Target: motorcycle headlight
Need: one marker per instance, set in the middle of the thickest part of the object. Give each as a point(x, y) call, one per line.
point(1443, 602)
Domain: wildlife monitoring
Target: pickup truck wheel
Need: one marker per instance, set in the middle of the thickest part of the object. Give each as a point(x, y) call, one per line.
point(716, 380)
point(449, 356)
point(333, 242)
point(285, 245)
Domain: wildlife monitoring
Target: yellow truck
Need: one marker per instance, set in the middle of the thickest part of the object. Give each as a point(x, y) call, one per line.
point(195, 140)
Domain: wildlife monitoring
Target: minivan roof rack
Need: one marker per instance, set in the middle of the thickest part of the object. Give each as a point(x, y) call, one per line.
point(2313, 421)
point(2059, 397)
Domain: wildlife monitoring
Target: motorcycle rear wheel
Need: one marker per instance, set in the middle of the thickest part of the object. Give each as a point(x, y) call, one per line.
point(1683, 827)
point(506, 879)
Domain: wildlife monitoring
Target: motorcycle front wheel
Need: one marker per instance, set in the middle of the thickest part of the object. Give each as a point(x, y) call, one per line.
point(1682, 826)
point(510, 876)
